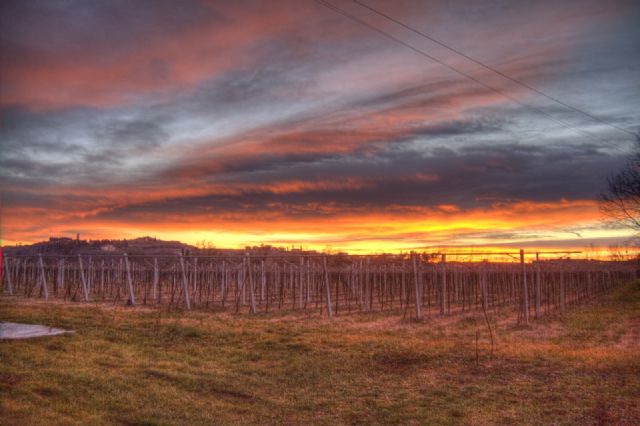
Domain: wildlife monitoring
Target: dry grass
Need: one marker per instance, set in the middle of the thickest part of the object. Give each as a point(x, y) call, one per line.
point(142, 366)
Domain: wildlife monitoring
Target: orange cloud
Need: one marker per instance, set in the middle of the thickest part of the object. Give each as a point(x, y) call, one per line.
point(394, 228)
point(153, 65)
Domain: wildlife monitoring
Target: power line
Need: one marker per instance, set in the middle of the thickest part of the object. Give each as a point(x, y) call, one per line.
point(494, 70)
point(452, 68)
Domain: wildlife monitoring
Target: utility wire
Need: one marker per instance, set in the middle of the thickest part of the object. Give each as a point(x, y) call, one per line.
point(452, 68)
point(494, 70)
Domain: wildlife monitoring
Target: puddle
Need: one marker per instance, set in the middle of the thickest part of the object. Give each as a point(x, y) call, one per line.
point(13, 330)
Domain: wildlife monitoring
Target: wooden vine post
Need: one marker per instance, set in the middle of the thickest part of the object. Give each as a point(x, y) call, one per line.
point(300, 282)
point(43, 279)
point(8, 275)
point(61, 275)
point(102, 278)
point(525, 291)
point(484, 289)
point(327, 286)
point(562, 296)
point(85, 291)
point(132, 298)
point(263, 281)
point(185, 287)
point(443, 290)
point(417, 286)
point(252, 297)
point(155, 280)
point(538, 290)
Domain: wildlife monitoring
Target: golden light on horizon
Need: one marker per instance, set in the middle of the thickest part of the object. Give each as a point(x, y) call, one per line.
point(394, 230)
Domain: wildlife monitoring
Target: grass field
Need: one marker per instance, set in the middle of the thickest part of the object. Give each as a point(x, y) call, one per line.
point(142, 367)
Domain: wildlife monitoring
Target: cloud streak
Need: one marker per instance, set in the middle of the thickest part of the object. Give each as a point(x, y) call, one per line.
point(285, 123)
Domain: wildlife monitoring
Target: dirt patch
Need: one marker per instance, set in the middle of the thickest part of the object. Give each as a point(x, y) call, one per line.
point(398, 361)
point(10, 379)
point(230, 394)
point(46, 392)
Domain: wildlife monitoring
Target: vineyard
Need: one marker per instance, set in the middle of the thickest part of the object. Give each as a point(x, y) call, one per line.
point(412, 285)
point(247, 339)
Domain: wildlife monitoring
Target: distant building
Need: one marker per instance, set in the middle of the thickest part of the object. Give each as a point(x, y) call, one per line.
point(60, 240)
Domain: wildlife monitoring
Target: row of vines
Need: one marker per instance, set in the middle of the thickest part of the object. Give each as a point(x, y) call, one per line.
point(412, 285)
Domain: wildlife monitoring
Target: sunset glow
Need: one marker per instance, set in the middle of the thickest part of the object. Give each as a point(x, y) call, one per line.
point(285, 123)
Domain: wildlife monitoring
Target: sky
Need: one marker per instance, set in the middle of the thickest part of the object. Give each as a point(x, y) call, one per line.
point(286, 123)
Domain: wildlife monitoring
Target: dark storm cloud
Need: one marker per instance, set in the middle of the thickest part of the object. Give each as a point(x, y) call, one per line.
point(499, 174)
point(306, 148)
point(84, 139)
point(53, 147)
point(36, 28)
point(123, 137)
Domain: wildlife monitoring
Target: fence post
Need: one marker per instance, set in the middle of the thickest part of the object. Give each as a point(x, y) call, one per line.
point(327, 286)
point(155, 279)
point(85, 291)
point(417, 286)
point(102, 278)
point(185, 287)
point(525, 290)
point(300, 281)
point(7, 275)
point(223, 283)
point(538, 290)
point(562, 297)
point(483, 284)
point(252, 297)
point(43, 279)
point(262, 281)
point(132, 298)
point(61, 275)
point(195, 284)
point(443, 290)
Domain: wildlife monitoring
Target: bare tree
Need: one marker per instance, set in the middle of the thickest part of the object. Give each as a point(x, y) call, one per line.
point(621, 199)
